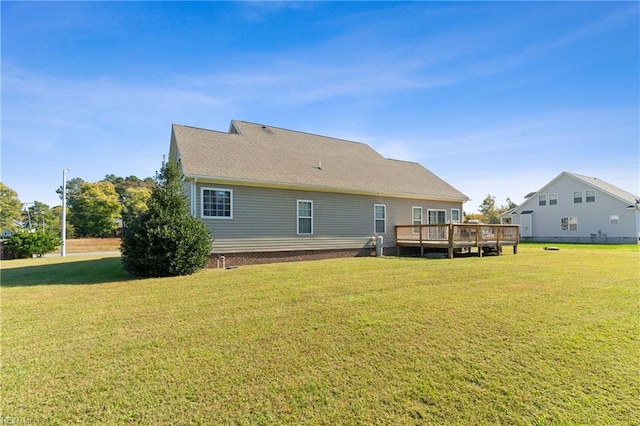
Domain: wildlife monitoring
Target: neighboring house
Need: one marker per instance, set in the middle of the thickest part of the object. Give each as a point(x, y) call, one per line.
point(17, 224)
point(268, 193)
point(577, 208)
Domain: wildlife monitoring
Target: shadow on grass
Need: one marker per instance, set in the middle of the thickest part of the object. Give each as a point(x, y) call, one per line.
point(94, 271)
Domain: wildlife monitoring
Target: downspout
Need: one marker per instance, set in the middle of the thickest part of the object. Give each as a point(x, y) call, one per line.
point(193, 196)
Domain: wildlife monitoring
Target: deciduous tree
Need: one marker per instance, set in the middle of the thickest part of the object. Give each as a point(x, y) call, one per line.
point(95, 209)
point(74, 187)
point(57, 212)
point(134, 203)
point(40, 217)
point(10, 208)
point(491, 212)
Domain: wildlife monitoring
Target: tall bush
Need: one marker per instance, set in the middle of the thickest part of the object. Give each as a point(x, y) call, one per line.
point(166, 240)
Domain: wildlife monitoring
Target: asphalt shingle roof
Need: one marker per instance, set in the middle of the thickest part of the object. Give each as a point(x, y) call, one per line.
point(606, 187)
point(252, 152)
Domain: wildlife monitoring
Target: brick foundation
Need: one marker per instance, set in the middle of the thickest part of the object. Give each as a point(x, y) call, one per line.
point(254, 258)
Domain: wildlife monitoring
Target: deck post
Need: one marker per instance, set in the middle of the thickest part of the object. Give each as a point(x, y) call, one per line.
point(421, 242)
point(450, 229)
point(498, 248)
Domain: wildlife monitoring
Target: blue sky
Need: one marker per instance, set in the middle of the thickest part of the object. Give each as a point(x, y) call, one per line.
point(495, 98)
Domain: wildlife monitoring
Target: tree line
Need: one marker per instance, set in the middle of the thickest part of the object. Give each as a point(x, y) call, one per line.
point(161, 239)
point(490, 211)
point(94, 209)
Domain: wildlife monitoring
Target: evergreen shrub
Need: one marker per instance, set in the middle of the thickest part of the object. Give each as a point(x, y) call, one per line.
point(166, 240)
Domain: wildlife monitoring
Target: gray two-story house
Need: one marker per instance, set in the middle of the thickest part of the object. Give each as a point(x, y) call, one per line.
point(578, 208)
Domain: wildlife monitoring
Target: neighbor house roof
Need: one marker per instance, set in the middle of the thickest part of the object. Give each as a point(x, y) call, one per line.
point(623, 195)
point(254, 154)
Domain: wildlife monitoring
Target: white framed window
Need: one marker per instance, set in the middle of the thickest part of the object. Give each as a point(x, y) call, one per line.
point(380, 218)
point(305, 217)
point(542, 199)
point(216, 203)
point(455, 215)
point(590, 195)
point(569, 223)
point(614, 219)
point(416, 218)
point(577, 197)
point(553, 199)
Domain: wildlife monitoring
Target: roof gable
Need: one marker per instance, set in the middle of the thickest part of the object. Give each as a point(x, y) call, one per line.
point(610, 189)
point(255, 154)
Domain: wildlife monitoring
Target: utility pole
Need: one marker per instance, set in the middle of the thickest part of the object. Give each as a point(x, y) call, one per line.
point(63, 248)
point(26, 207)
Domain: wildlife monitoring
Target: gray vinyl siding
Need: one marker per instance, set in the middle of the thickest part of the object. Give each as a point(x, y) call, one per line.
point(265, 219)
point(594, 224)
point(186, 191)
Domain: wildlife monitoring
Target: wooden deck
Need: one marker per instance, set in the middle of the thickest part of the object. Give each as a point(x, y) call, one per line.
point(458, 236)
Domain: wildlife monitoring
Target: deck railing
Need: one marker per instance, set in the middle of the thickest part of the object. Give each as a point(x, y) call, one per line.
point(458, 235)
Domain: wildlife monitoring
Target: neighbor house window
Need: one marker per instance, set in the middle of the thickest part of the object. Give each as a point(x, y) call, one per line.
point(379, 218)
point(305, 217)
point(217, 203)
point(573, 223)
point(416, 218)
point(569, 223)
point(590, 195)
point(553, 199)
point(542, 199)
point(577, 197)
point(614, 219)
point(455, 215)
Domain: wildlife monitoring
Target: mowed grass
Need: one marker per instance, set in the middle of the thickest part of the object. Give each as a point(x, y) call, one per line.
point(535, 338)
point(89, 245)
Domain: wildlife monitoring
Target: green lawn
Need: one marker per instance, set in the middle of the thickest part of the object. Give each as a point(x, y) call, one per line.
point(536, 338)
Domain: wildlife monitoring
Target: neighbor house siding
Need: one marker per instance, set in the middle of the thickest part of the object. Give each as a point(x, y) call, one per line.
point(593, 218)
point(265, 219)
